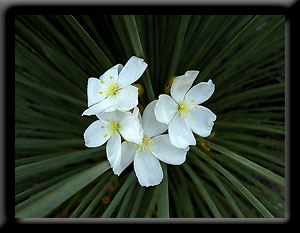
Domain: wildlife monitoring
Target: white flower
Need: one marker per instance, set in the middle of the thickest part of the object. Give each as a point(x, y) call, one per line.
point(113, 90)
point(146, 155)
point(108, 128)
point(182, 112)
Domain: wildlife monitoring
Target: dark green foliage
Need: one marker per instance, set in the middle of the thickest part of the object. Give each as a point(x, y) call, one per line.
point(237, 173)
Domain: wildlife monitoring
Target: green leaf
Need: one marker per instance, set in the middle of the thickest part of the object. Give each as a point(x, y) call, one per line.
point(93, 205)
point(237, 184)
point(221, 187)
point(202, 190)
point(253, 166)
point(139, 51)
point(229, 46)
point(89, 42)
point(117, 199)
point(41, 205)
point(163, 195)
point(184, 23)
point(135, 209)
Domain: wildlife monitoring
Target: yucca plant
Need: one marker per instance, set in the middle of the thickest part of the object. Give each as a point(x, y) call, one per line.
point(236, 172)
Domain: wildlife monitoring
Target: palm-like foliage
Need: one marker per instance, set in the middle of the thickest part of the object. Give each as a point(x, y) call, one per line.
point(236, 172)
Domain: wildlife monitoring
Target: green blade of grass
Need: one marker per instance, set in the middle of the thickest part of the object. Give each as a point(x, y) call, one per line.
point(48, 202)
point(253, 166)
point(230, 45)
point(66, 159)
point(127, 198)
point(220, 186)
point(202, 190)
point(183, 192)
point(183, 25)
point(262, 209)
point(117, 199)
point(139, 51)
point(21, 196)
point(136, 205)
point(90, 43)
point(163, 195)
point(93, 205)
point(253, 151)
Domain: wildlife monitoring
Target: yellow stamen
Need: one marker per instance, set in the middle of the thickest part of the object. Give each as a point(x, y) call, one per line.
point(100, 92)
point(152, 143)
point(102, 127)
point(105, 135)
point(117, 84)
point(183, 108)
point(192, 100)
point(113, 127)
point(191, 117)
point(145, 144)
point(110, 77)
point(195, 106)
point(107, 94)
point(112, 88)
point(101, 82)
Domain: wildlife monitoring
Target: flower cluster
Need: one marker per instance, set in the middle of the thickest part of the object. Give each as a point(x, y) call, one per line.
point(142, 139)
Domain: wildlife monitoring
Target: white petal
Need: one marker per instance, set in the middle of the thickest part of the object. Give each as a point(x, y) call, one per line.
point(127, 98)
point(111, 75)
point(202, 122)
point(115, 116)
point(200, 92)
point(95, 91)
point(165, 108)
point(113, 149)
point(166, 152)
point(132, 71)
point(136, 113)
point(119, 116)
point(182, 84)
point(151, 126)
point(131, 129)
point(112, 105)
point(147, 169)
point(128, 151)
point(105, 116)
point(94, 135)
point(180, 133)
point(108, 104)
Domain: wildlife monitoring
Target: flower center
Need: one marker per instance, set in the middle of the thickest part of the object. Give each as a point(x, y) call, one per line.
point(113, 127)
point(112, 89)
point(146, 141)
point(183, 108)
